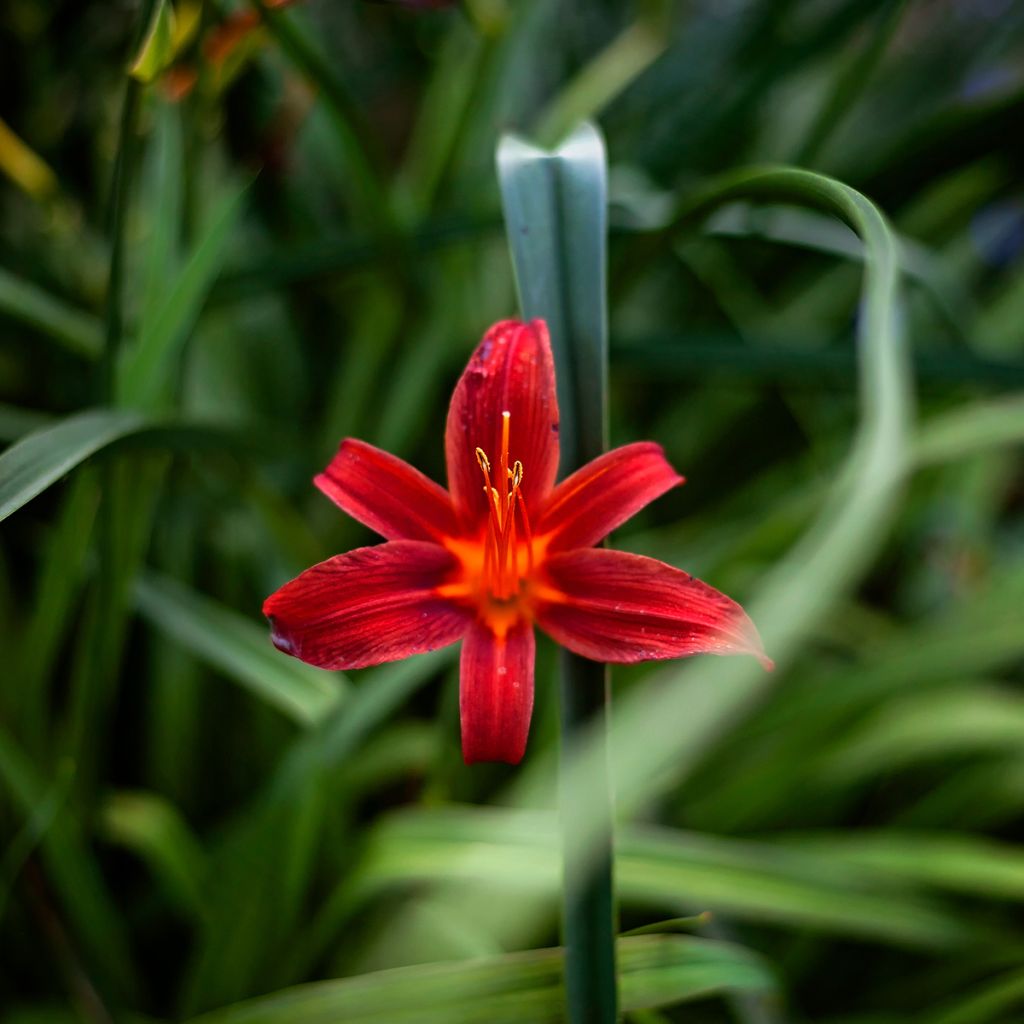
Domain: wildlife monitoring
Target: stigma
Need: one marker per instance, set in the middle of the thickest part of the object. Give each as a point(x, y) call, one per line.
point(507, 534)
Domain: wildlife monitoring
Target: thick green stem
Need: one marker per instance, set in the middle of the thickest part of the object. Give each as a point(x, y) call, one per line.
point(588, 907)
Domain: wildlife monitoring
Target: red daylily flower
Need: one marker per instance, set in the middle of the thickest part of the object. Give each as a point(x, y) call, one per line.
point(502, 550)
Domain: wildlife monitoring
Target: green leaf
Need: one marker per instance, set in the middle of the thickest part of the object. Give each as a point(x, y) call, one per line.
point(998, 1000)
point(161, 197)
point(556, 219)
point(929, 727)
point(36, 826)
point(30, 465)
point(78, 332)
point(72, 871)
point(266, 858)
point(509, 989)
point(607, 75)
point(969, 429)
point(59, 577)
point(960, 863)
point(16, 422)
point(152, 828)
point(157, 50)
point(556, 211)
point(511, 855)
point(240, 648)
point(145, 369)
point(819, 233)
point(661, 731)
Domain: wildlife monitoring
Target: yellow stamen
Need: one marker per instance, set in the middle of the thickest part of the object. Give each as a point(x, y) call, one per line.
point(501, 545)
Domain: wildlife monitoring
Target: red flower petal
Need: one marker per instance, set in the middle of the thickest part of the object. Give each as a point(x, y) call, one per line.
point(386, 494)
point(367, 606)
point(585, 507)
point(511, 371)
point(619, 607)
point(496, 692)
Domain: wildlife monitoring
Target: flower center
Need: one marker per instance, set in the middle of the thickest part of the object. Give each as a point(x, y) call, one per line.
point(508, 527)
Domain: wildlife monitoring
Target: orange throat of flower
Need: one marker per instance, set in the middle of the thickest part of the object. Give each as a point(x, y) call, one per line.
point(497, 568)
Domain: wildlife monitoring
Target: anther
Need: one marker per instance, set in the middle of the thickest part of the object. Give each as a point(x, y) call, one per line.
point(517, 475)
point(484, 462)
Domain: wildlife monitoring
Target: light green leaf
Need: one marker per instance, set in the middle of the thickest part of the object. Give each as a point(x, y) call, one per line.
point(157, 50)
point(152, 828)
point(240, 648)
point(929, 727)
point(601, 80)
point(946, 860)
point(969, 429)
point(30, 465)
point(512, 854)
point(657, 970)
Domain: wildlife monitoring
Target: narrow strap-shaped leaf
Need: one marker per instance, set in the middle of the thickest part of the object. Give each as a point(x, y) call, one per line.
point(16, 422)
point(657, 970)
point(22, 300)
point(142, 378)
point(555, 212)
point(556, 218)
point(152, 828)
point(660, 731)
point(38, 460)
point(238, 647)
point(72, 872)
point(265, 860)
point(469, 850)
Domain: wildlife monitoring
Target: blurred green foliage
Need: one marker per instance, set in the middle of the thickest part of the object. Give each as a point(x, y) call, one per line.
point(310, 241)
